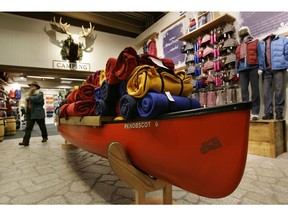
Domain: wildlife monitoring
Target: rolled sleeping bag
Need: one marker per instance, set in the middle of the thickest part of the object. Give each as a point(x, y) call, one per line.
point(126, 62)
point(128, 107)
point(110, 70)
point(86, 92)
point(105, 108)
point(155, 104)
point(109, 93)
point(81, 108)
point(144, 78)
point(97, 93)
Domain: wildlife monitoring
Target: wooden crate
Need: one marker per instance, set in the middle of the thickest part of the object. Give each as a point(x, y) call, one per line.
point(267, 138)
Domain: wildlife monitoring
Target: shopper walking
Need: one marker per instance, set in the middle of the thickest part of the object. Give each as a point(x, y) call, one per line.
point(34, 113)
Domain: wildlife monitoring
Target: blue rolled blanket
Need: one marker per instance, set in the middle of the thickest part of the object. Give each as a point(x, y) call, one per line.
point(128, 107)
point(154, 104)
point(104, 109)
point(109, 93)
point(97, 93)
point(123, 87)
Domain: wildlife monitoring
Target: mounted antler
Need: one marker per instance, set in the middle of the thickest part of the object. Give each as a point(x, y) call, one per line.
point(83, 33)
point(72, 48)
point(61, 27)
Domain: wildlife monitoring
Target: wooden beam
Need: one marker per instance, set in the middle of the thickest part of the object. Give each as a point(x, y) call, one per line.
point(220, 21)
point(101, 20)
point(92, 121)
point(36, 71)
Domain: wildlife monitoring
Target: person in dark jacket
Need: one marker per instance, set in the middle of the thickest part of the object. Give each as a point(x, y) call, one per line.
point(273, 62)
point(34, 113)
point(247, 67)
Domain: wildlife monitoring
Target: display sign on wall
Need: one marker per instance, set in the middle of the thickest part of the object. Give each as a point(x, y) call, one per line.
point(262, 24)
point(65, 65)
point(171, 44)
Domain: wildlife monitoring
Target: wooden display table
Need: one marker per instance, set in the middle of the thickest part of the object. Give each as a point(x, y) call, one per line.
point(267, 138)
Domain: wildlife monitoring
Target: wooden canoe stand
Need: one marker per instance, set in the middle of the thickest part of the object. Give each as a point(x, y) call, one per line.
point(136, 179)
point(67, 145)
point(141, 182)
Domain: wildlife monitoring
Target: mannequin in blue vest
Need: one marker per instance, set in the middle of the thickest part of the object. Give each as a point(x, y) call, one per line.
point(273, 62)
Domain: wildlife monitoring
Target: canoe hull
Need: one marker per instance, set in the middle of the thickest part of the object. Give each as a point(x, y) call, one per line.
point(201, 152)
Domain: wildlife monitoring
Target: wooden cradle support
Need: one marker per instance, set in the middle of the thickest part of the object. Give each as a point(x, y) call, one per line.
point(67, 145)
point(141, 182)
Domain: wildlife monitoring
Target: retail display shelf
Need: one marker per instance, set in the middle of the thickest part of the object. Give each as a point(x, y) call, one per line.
point(3, 82)
point(3, 91)
point(220, 21)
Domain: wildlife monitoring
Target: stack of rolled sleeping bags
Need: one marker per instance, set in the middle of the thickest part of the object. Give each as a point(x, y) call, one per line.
point(132, 86)
point(80, 102)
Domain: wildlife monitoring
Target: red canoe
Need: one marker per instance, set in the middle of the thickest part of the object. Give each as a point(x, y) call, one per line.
point(202, 151)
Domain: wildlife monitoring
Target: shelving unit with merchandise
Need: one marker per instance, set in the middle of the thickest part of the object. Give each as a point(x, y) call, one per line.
point(7, 114)
point(210, 59)
point(3, 98)
point(49, 105)
point(52, 99)
point(3, 114)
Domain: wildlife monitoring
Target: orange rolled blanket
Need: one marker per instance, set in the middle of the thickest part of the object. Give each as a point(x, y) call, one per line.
point(146, 77)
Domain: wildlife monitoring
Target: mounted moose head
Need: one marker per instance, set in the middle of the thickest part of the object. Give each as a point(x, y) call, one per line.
point(72, 48)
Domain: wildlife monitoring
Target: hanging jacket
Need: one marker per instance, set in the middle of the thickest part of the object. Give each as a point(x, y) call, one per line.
point(279, 53)
point(12, 93)
point(17, 94)
point(152, 49)
point(251, 56)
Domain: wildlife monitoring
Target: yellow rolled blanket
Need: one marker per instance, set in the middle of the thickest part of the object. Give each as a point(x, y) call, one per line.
point(102, 77)
point(146, 77)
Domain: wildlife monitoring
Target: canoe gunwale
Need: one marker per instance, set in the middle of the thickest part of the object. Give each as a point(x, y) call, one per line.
point(96, 121)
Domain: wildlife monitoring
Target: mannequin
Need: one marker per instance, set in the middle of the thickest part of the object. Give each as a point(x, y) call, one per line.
point(247, 66)
point(273, 62)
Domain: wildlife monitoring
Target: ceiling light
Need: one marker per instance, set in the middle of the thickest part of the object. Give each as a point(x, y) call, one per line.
point(39, 77)
point(72, 79)
point(19, 79)
point(66, 81)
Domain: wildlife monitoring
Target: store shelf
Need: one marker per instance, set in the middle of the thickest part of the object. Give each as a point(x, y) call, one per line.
point(1, 108)
point(206, 28)
point(3, 82)
point(203, 14)
point(3, 91)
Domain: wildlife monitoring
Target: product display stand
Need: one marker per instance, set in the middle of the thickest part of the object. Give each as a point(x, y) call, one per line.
point(141, 182)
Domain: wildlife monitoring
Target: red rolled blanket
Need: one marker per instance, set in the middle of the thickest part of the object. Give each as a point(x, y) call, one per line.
point(86, 92)
point(94, 79)
point(73, 96)
point(110, 71)
point(81, 108)
point(126, 62)
point(63, 111)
